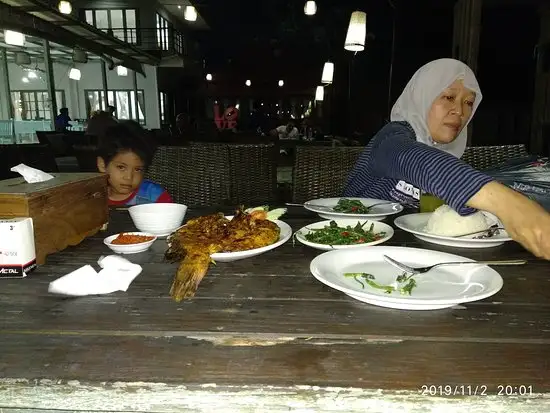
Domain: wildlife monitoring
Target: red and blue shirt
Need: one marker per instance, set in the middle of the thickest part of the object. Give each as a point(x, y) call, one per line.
point(148, 193)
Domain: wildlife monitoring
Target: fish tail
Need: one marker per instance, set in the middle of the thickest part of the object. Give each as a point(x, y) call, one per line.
point(190, 273)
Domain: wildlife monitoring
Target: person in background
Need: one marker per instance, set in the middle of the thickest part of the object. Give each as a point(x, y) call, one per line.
point(112, 111)
point(62, 120)
point(288, 131)
point(419, 150)
point(99, 123)
point(124, 154)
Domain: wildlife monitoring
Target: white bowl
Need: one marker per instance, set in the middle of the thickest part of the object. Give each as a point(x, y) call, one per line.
point(130, 248)
point(158, 219)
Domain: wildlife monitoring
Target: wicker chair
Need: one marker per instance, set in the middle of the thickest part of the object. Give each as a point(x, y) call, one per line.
point(321, 172)
point(483, 157)
point(196, 175)
point(253, 173)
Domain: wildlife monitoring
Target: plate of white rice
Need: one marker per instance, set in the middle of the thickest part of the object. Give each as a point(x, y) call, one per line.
point(445, 226)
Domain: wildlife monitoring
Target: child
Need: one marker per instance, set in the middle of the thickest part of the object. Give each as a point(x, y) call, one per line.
point(124, 155)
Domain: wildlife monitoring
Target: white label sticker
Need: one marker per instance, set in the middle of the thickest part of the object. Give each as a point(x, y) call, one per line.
point(408, 190)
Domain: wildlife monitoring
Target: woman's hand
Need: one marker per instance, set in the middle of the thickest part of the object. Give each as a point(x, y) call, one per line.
point(525, 220)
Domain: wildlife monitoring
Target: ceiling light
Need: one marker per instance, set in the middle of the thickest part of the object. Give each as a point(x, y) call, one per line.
point(357, 32)
point(121, 71)
point(328, 73)
point(248, 82)
point(190, 13)
point(179, 7)
point(310, 8)
point(75, 74)
point(320, 93)
point(14, 38)
point(25, 80)
point(209, 77)
point(281, 83)
point(65, 7)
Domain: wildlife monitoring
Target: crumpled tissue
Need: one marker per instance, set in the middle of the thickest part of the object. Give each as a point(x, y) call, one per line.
point(117, 274)
point(31, 175)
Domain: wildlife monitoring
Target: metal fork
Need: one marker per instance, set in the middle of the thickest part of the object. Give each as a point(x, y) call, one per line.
point(423, 270)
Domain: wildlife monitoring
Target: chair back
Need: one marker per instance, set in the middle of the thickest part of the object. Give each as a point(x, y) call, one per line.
point(321, 172)
point(483, 157)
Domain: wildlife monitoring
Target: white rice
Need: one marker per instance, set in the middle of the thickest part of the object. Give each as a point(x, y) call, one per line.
point(445, 221)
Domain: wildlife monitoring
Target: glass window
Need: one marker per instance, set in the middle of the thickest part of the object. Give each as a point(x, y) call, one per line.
point(89, 17)
point(35, 104)
point(122, 22)
point(162, 33)
point(122, 100)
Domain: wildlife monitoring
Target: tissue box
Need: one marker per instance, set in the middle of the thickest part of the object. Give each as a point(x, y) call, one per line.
point(64, 210)
point(17, 253)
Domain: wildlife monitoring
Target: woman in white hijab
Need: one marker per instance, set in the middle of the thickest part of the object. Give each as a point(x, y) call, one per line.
point(419, 150)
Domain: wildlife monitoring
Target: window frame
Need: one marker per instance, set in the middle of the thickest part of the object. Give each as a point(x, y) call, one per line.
point(127, 30)
point(115, 91)
point(35, 92)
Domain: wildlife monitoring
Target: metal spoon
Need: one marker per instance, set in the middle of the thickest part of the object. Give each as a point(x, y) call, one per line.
point(423, 270)
point(491, 231)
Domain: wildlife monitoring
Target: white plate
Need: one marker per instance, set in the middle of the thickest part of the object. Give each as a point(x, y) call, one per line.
point(284, 236)
point(378, 227)
point(130, 248)
point(442, 287)
point(324, 208)
point(416, 224)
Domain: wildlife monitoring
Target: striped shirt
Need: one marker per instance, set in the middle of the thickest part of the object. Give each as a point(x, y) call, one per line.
point(395, 167)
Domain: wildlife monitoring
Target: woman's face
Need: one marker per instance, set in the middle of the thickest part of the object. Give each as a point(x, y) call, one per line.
point(450, 111)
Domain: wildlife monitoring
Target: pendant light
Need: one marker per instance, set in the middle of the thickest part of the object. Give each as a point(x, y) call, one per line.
point(281, 83)
point(121, 71)
point(310, 8)
point(328, 73)
point(209, 77)
point(14, 38)
point(248, 82)
point(75, 74)
point(357, 32)
point(319, 93)
point(190, 13)
point(65, 7)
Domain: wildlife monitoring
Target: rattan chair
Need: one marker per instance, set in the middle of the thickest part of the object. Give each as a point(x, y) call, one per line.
point(196, 175)
point(483, 157)
point(253, 173)
point(321, 172)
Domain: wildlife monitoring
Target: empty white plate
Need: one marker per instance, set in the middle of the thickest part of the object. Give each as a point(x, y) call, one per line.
point(441, 287)
point(343, 223)
point(416, 225)
point(324, 207)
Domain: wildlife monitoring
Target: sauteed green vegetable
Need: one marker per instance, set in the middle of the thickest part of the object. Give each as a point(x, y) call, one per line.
point(332, 234)
point(350, 206)
point(404, 283)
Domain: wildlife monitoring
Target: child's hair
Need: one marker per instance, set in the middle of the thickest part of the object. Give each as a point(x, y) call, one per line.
point(126, 136)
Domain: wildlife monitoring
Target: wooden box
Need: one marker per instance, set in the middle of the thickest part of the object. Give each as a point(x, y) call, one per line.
point(65, 210)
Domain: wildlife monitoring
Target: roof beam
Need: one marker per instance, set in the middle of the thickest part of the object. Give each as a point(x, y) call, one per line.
point(13, 19)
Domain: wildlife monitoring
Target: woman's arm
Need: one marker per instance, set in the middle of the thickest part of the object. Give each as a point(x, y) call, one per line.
point(399, 156)
point(525, 220)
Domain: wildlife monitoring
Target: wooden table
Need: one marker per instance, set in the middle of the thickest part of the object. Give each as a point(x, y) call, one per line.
point(262, 335)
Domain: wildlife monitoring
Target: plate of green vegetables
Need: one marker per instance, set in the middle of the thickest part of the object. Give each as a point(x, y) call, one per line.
point(357, 208)
point(344, 233)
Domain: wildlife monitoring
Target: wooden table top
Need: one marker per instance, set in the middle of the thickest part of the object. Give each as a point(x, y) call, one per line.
point(264, 330)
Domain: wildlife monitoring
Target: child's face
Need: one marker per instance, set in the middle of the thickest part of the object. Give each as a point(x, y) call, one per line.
point(125, 173)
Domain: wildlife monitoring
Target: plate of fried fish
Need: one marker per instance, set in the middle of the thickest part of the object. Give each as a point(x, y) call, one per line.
point(221, 238)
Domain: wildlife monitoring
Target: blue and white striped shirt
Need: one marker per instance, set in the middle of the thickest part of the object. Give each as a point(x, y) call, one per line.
point(394, 160)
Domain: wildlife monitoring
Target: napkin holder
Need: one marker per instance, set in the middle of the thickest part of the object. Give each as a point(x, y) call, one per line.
point(64, 210)
point(17, 252)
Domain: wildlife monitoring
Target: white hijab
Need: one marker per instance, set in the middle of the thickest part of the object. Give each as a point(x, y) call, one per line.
point(426, 84)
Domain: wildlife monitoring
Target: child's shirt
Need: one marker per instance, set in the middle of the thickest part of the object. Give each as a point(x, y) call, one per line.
point(148, 193)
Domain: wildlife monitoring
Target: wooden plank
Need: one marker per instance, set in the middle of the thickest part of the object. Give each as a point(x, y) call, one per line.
point(324, 363)
point(122, 314)
point(255, 278)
